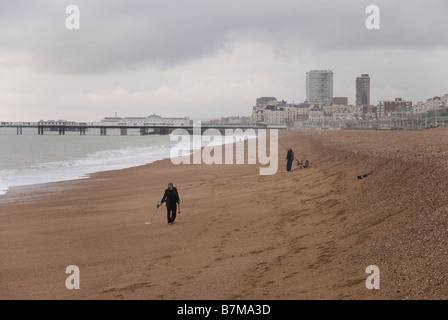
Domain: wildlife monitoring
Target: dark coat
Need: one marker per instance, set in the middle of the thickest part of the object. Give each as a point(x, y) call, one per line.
point(290, 155)
point(171, 197)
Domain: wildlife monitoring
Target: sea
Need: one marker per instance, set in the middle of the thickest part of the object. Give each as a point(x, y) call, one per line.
point(32, 159)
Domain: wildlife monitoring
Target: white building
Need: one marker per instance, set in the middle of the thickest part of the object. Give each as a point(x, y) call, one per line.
point(153, 120)
point(316, 115)
point(419, 108)
point(343, 115)
point(434, 103)
point(445, 100)
point(257, 115)
point(319, 87)
point(275, 117)
point(57, 123)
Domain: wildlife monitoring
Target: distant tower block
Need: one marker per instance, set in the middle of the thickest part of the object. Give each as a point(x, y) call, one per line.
point(363, 92)
point(319, 87)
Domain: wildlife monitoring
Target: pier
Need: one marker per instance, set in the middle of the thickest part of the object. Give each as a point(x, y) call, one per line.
point(104, 129)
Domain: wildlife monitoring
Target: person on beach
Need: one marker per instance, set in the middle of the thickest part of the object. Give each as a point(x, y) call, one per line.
point(171, 197)
point(290, 160)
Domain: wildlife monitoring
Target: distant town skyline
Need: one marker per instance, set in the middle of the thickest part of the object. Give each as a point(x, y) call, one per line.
point(140, 57)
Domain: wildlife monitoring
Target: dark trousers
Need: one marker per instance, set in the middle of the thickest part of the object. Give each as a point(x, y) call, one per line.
point(171, 213)
point(289, 166)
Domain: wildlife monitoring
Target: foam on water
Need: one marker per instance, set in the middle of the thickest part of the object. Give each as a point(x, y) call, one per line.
point(80, 168)
point(30, 160)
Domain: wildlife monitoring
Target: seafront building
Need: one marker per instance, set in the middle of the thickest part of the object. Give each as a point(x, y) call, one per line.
point(306, 115)
point(445, 100)
point(319, 87)
point(275, 117)
point(264, 101)
point(153, 120)
point(57, 123)
point(316, 115)
point(418, 108)
point(434, 103)
point(363, 92)
point(386, 108)
point(339, 101)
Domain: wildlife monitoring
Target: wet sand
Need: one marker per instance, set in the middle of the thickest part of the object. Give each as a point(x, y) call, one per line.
point(308, 234)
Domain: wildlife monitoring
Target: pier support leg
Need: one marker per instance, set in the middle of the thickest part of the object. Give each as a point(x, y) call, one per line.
point(144, 131)
point(19, 131)
point(40, 131)
point(124, 131)
point(103, 131)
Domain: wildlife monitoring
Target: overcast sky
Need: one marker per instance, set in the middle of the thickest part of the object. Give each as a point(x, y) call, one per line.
point(210, 58)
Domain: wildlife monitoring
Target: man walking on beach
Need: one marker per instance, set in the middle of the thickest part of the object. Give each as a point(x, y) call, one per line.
point(171, 197)
point(290, 159)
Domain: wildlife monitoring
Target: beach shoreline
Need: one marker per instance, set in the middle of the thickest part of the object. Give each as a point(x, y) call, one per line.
point(18, 192)
point(308, 234)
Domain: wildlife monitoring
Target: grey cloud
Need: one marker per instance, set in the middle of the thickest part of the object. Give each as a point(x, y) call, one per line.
point(118, 35)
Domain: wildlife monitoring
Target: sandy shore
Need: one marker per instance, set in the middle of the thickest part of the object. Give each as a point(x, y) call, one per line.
point(304, 235)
